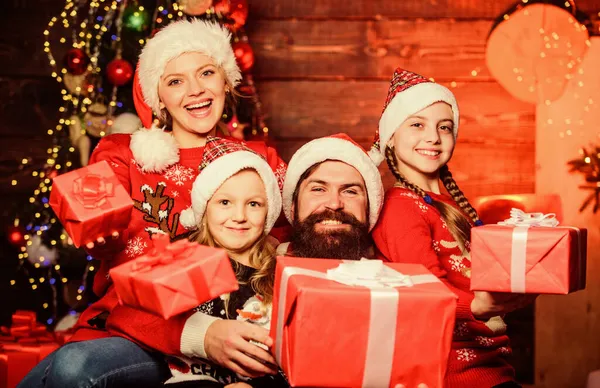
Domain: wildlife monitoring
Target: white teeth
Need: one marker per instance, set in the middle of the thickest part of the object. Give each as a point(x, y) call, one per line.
point(200, 105)
point(331, 222)
point(429, 153)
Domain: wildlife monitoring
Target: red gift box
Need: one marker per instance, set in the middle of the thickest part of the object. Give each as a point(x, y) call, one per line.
point(91, 202)
point(20, 352)
point(383, 333)
point(528, 259)
point(174, 278)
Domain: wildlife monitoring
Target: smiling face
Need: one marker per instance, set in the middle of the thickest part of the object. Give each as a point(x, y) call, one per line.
point(236, 218)
point(192, 89)
point(424, 143)
point(330, 213)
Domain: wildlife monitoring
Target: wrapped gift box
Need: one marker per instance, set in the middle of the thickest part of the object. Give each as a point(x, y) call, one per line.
point(174, 278)
point(528, 259)
point(392, 326)
point(22, 346)
point(91, 202)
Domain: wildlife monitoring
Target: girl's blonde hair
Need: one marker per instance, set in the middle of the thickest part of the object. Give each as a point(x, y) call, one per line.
point(262, 257)
point(458, 225)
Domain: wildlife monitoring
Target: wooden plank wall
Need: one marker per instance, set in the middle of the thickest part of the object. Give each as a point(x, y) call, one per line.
point(322, 66)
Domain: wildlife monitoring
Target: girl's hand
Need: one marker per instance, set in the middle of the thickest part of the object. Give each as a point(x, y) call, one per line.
point(238, 385)
point(488, 304)
point(227, 343)
point(101, 241)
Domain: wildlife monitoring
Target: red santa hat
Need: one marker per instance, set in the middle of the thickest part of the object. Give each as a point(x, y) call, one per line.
point(154, 149)
point(223, 159)
point(338, 147)
point(409, 93)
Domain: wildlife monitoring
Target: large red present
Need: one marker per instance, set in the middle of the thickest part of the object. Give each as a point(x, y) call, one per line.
point(360, 324)
point(174, 278)
point(22, 346)
point(91, 202)
point(526, 254)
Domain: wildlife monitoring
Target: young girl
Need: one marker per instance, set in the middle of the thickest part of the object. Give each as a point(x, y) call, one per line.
point(418, 224)
point(235, 203)
point(186, 75)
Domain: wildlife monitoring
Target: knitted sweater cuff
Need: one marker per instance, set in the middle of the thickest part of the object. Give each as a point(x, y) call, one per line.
point(194, 331)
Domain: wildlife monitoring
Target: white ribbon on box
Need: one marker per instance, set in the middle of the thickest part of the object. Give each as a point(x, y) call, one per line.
point(518, 260)
point(381, 280)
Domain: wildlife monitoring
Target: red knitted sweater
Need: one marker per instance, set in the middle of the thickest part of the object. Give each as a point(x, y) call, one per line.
point(159, 199)
point(410, 231)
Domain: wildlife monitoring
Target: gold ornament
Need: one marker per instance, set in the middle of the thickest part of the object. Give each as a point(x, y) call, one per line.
point(95, 119)
point(195, 7)
point(80, 140)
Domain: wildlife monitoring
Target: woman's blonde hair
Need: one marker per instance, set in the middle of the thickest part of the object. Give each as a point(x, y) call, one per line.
point(262, 257)
point(458, 225)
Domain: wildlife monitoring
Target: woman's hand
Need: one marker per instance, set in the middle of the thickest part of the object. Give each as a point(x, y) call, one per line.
point(101, 241)
point(489, 304)
point(238, 385)
point(227, 343)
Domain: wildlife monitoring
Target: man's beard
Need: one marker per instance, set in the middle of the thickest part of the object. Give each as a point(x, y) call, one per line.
point(352, 244)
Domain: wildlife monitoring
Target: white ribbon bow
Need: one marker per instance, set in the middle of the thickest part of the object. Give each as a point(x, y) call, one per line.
point(368, 273)
point(519, 218)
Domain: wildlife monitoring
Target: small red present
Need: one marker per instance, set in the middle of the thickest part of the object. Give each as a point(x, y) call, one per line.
point(19, 353)
point(91, 202)
point(174, 278)
point(528, 254)
point(360, 324)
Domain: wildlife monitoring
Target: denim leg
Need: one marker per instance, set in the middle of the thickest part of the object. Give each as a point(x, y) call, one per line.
point(108, 362)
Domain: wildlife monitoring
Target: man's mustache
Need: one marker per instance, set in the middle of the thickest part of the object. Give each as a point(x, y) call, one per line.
point(333, 215)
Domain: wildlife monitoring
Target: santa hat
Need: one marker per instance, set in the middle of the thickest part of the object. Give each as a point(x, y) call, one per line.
point(338, 147)
point(221, 160)
point(154, 149)
point(409, 93)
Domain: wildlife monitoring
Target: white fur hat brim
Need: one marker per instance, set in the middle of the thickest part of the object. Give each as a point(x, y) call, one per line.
point(182, 37)
point(217, 172)
point(154, 149)
point(410, 101)
point(334, 148)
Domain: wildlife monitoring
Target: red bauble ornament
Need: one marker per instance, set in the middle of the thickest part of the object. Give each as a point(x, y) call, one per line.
point(16, 236)
point(236, 10)
point(76, 61)
point(244, 55)
point(119, 72)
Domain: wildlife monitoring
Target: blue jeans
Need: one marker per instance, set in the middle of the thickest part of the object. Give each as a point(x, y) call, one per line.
point(107, 362)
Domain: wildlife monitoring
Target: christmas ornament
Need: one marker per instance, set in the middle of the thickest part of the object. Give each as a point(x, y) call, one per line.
point(244, 55)
point(588, 165)
point(534, 49)
point(40, 253)
point(195, 7)
point(95, 119)
point(235, 10)
point(125, 123)
point(16, 236)
point(76, 61)
point(77, 84)
point(136, 18)
point(80, 140)
point(119, 72)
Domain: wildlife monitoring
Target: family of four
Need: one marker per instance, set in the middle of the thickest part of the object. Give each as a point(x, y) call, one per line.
point(221, 192)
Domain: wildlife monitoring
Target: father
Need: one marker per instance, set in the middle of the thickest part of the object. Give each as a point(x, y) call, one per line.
point(332, 197)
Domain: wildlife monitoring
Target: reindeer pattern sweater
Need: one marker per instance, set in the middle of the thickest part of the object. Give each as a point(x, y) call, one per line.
point(410, 231)
point(158, 199)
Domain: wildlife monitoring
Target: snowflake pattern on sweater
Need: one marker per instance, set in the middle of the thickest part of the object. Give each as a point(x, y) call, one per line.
point(405, 233)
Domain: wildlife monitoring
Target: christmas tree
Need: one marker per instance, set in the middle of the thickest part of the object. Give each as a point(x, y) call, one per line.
point(92, 48)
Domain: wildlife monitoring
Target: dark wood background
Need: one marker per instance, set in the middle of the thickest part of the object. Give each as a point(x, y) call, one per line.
point(322, 67)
